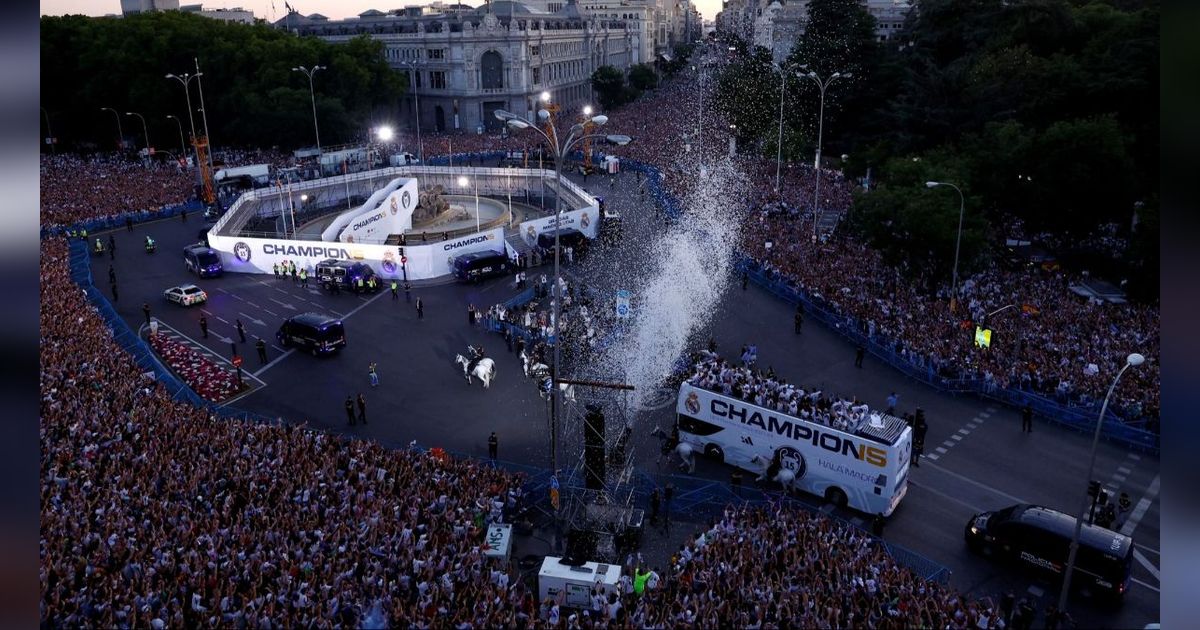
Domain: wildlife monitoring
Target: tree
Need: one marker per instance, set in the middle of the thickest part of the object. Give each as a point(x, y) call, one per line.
point(747, 93)
point(609, 84)
point(643, 77)
point(251, 95)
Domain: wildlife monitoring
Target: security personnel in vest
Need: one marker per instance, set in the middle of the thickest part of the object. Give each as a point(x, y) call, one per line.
point(261, 346)
point(395, 285)
point(360, 284)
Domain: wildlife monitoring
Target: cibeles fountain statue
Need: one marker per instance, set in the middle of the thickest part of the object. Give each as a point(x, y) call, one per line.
point(432, 210)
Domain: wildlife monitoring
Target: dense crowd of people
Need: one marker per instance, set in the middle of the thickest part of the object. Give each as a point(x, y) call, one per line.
point(1052, 342)
point(765, 389)
point(104, 186)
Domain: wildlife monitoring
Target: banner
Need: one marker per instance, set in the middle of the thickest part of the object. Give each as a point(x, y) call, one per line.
point(585, 220)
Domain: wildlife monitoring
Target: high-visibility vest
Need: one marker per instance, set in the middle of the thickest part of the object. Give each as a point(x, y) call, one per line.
point(639, 582)
point(393, 285)
point(360, 283)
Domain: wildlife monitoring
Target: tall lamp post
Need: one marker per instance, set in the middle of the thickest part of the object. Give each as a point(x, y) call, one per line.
point(560, 149)
point(962, 204)
point(463, 182)
point(822, 85)
point(186, 80)
point(182, 144)
point(120, 133)
point(49, 131)
point(783, 70)
point(313, 97)
point(413, 66)
point(1132, 360)
point(146, 131)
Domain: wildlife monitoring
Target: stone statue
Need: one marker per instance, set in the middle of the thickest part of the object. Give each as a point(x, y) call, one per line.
point(430, 205)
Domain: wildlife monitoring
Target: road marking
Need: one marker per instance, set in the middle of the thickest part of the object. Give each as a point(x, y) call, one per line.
point(984, 414)
point(996, 491)
point(272, 363)
point(1141, 583)
point(956, 437)
point(948, 443)
point(278, 348)
point(338, 313)
point(941, 450)
point(1118, 478)
point(1142, 506)
point(283, 304)
point(964, 432)
point(222, 319)
point(991, 409)
point(972, 426)
point(222, 290)
point(1110, 484)
point(252, 304)
point(1123, 470)
point(1147, 549)
point(252, 319)
point(207, 350)
point(933, 457)
point(1135, 457)
point(271, 312)
point(1137, 555)
point(973, 508)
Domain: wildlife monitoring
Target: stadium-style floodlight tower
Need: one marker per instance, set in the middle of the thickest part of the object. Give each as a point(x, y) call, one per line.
point(560, 149)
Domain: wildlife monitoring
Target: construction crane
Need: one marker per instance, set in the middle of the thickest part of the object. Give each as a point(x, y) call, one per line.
point(206, 175)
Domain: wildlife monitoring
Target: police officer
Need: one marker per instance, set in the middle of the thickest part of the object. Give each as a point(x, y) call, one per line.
point(261, 346)
point(655, 505)
point(859, 353)
point(420, 309)
point(275, 268)
point(146, 311)
point(1027, 419)
point(799, 321)
point(295, 274)
point(362, 409)
point(204, 326)
point(407, 291)
point(241, 330)
point(493, 444)
point(395, 294)
point(304, 277)
point(877, 524)
point(350, 409)
point(112, 275)
point(508, 338)
point(360, 284)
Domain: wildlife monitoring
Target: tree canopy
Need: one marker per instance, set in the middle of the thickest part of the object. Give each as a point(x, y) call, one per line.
point(252, 96)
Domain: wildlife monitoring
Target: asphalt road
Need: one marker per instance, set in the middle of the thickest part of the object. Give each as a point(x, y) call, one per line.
point(977, 457)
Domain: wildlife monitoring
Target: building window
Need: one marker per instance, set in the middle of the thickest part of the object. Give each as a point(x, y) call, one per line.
point(491, 71)
point(437, 53)
point(437, 80)
point(537, 76)
point(534, 50)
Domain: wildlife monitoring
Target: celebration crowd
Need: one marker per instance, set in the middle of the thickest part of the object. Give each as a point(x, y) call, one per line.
point(104, 186)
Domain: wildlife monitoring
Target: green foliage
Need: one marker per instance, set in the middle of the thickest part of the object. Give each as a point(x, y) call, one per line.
point(609, 84)
point(643, 77)
point(747, 94)
point(252, 96)
point(679, 59)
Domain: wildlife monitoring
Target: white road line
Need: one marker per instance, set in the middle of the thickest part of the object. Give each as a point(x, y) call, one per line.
point(1118, 478)
point(1142, 506)
point(956, 437)
point(925, 488)
point(984, 414)
point(991, 409)
point(972, 426)
point(964, 431)
point(271, 312)
point(1134, 456)
point(1123, 470)
point(339, 314)
point(1137, 555)
point(932, 457)
point(222, 290)
point(222, 319)
point(252, 304)
point(272, 363)
point(941, 450)
point(1147, 549)
point(1141, 583)
point(995, 491)
point(278, 348)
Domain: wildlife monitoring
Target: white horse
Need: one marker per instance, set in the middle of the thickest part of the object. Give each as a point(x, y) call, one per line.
point(485, 370)
point(784, 477)
point(683, 450)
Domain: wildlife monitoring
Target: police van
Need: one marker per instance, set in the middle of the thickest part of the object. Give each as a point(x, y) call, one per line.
point(202, 260)
point(345, 274)
point(865, 469)
point(479, 265)
point(319, 334)
point(1040, 538)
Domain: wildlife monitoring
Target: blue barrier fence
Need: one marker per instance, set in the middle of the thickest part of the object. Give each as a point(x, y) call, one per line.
point(108, 223)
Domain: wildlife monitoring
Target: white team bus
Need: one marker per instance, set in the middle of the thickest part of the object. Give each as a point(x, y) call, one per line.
point(866, 469)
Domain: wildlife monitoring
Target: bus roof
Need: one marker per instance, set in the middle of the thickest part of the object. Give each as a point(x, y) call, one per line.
point(881, 428)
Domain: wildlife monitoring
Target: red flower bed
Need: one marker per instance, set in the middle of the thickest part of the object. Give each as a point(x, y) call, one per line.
point(202, 374)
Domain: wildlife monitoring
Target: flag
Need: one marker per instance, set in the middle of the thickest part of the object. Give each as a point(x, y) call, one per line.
point(288, 7)
point(1030, 309)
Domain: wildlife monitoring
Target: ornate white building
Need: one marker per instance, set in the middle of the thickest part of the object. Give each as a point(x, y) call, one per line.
point(464, 63)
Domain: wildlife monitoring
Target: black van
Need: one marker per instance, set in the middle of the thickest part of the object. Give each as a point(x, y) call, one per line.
point(316, 333)
point(345, 274)
point(203, 261)
point(479, 265)
point(1041, 538)
point(567, 237)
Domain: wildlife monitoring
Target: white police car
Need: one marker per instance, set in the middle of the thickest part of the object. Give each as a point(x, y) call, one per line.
point(186, 295)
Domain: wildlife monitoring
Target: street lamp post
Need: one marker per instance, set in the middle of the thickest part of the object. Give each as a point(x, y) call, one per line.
point(182, 144)
point(313, 97)
point(412, 66)
point(574, 136)
point(463, 182)
point(783, 72)
point(962, 204)
point(186, 80)
point(1132, 360)
point(120, 133)
point(49, 131)
point(204, 112)
point(146, 131)
point(822, 85)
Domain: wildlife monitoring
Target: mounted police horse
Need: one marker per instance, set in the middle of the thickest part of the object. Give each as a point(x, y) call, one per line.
point(485, 370)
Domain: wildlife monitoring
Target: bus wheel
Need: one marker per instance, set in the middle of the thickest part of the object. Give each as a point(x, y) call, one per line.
point(713, 451)
point(836, 496)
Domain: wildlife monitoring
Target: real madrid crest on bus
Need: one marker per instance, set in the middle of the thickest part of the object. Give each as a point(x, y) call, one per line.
point(623, 303)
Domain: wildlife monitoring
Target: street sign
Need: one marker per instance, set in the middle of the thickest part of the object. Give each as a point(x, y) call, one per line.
point(623, 303)
point(404, 260)
point(237, 360)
